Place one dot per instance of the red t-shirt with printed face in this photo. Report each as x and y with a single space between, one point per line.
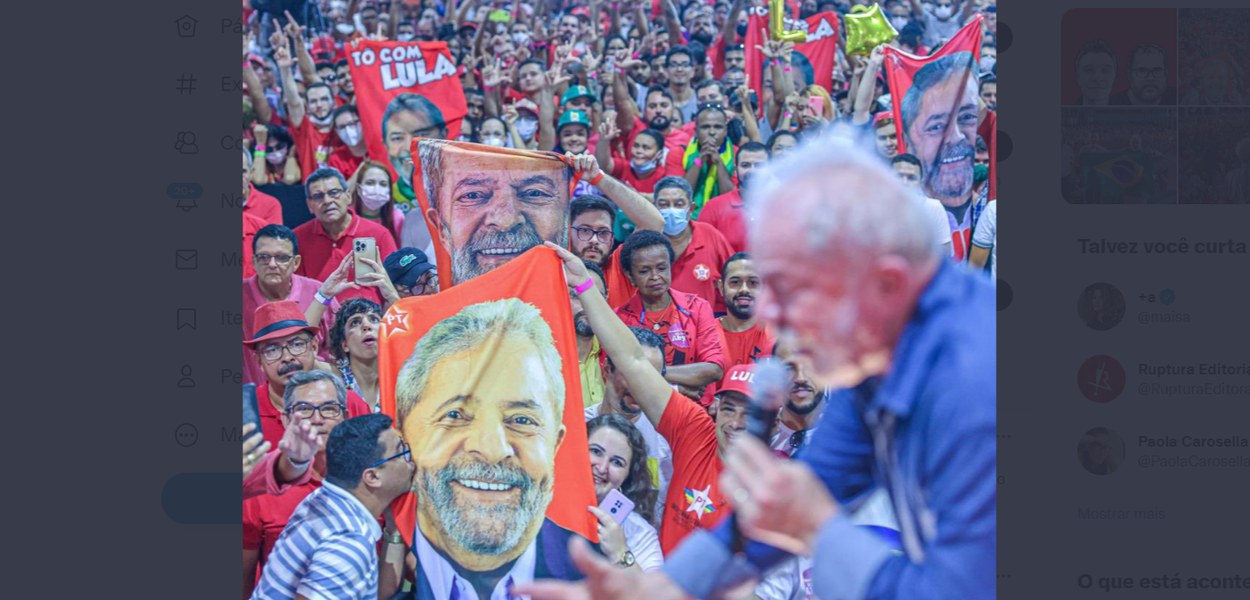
694 499
314 147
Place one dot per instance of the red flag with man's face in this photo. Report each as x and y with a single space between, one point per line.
404 90
483 383
820 49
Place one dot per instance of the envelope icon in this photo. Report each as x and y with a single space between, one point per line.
186 260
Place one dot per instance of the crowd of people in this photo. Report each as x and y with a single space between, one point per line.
1214 56
1215 156
1132 132
651 101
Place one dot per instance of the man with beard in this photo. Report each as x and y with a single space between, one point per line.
285 344
1147 79
310 116
939 113
328 239
796 422
488 211
587 346
708 160
617 399
657 108
408 116
481 403
727 212
746 340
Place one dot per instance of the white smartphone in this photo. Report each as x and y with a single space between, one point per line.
368 248
617 506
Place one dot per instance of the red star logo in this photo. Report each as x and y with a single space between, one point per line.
396 320
701 272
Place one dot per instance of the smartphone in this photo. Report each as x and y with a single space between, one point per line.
365 248
251 412
816 106
617 506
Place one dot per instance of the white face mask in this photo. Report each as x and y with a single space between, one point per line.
675 220
527 128
375 196
350 134
405 37
276 157
944 12
987 63
494 141
899 22
521 38
344 28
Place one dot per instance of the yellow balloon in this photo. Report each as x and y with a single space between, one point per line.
776 24
867 28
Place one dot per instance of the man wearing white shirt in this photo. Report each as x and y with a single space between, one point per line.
908 168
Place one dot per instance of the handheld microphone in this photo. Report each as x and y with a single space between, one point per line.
770 388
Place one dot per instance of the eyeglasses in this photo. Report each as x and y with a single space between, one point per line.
420 289
264 259
296 347
585 233
333 194
404 451
1143 72
332 410
680 65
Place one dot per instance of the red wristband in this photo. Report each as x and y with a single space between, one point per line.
597 179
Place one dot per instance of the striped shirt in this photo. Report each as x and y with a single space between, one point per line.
327 551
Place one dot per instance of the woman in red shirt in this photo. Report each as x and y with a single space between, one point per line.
646 161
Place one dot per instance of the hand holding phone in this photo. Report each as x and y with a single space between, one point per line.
365 247
617 506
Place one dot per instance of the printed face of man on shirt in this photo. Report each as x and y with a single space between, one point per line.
484 434
490 208
942 134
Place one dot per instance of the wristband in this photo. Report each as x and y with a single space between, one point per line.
487 89
584 287
297 465
591 75
698 162
787 114
261 149
394 539
787 69
597 179
319 297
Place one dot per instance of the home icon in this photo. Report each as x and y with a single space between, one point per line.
186 26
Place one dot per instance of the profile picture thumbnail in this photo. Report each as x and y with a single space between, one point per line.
1101 451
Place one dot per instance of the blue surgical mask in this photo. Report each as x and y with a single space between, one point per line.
675 220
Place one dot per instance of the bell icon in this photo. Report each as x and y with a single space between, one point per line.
186 204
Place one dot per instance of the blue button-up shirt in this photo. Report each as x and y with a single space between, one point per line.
925 432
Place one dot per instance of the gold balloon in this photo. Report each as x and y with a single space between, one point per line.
776 24
867 28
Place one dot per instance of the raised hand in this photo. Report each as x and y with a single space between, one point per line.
608 128
586 164
338 280
254 448
301 441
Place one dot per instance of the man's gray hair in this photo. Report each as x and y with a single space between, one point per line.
928 76
306 377
873 214
413 103
322 174
673 181
469 329
430 152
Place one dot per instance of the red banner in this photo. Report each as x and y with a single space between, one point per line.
937 118
417 83
489 204
820 49
483 382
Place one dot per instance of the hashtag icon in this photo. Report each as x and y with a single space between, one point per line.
186 84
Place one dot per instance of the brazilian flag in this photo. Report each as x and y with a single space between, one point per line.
1111 176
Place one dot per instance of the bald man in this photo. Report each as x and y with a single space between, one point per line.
854 287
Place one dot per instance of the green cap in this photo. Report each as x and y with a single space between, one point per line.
576 91
573 117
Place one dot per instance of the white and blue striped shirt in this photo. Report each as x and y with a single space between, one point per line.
327 551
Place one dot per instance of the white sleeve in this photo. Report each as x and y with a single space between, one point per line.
987 227
780 583
938 221
643 542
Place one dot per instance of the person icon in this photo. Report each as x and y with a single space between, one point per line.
1101 451
186 143
186 381
1100 306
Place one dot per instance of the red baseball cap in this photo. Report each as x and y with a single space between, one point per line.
738 379
278 319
